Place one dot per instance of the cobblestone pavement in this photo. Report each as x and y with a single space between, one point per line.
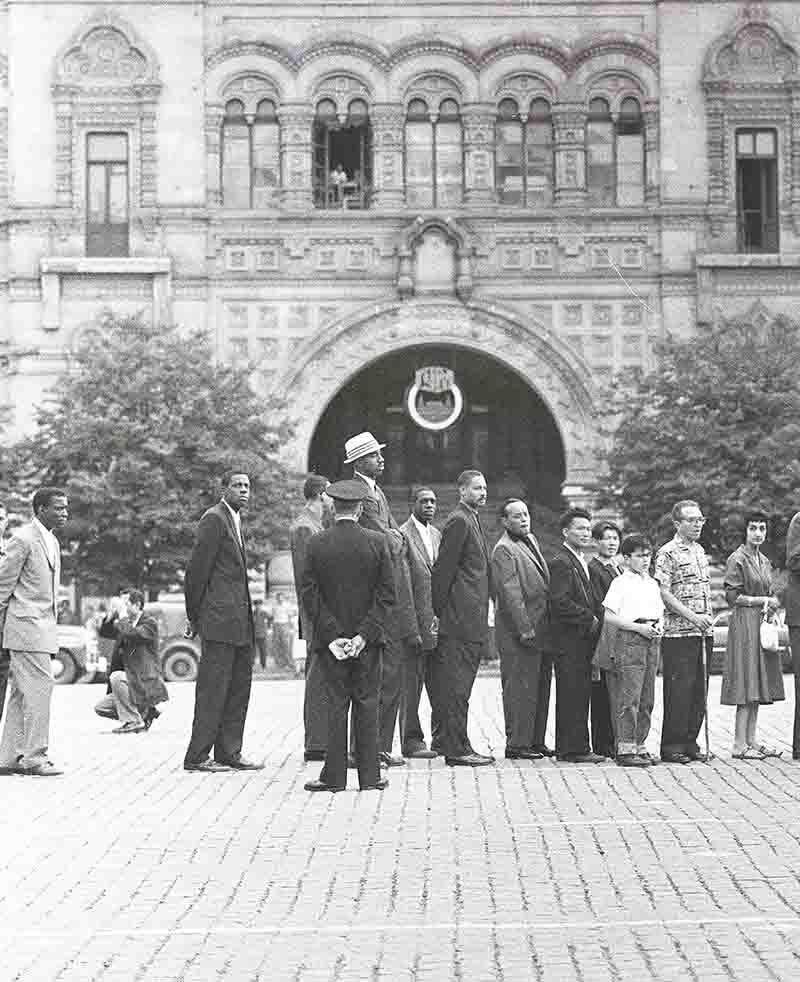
128 868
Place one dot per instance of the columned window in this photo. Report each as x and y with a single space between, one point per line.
250 155
615 164
757 190
524 154
630 153
434 154
600 163
107 194
342 156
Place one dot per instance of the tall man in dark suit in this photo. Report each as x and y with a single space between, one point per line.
308 523
219 610
792 604
460 587
573 631
521 583
423 547
347 589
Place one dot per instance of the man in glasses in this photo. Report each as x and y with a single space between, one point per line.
683 575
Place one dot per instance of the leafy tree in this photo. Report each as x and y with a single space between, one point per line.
718 421
139 430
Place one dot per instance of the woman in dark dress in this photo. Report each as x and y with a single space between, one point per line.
603 568
752 677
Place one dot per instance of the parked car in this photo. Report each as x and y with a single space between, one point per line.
721 622
179 655
77 655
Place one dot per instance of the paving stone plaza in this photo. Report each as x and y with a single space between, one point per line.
128 868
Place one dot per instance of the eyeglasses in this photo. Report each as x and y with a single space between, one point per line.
694 521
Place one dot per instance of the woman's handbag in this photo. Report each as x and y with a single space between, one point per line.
768 631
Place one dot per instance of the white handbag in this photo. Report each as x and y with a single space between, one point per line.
768 630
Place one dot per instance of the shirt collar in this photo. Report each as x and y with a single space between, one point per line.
424 529
346 518
236 516
577 555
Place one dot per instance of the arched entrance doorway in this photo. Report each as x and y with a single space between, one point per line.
441 409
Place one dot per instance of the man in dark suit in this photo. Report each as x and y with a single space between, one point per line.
460 589
219 610
521 582
792 604
573 631
348 589
308 523
423 547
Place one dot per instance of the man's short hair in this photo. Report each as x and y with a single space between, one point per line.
635 543
599 529
314 485
466 478
44 496
571 514
135 596
417 490
509 501
680 506
227 475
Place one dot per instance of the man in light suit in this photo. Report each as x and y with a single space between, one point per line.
30 573
219 610
792 604
460 590
574 628
521 583
423 548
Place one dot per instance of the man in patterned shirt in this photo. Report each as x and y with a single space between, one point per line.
682 573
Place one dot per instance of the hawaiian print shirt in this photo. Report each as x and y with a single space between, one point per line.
682 568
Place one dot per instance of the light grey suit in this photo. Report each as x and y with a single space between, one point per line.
29 581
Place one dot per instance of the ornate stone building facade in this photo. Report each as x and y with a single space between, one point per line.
492 206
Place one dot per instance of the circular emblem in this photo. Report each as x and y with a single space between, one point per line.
434 400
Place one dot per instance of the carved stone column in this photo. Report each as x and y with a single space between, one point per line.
148 188
652 187
717 196
478 121
387 120
569 129
213 134
64 164
795 141
297 155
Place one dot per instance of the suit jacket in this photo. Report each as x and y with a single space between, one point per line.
792 595
420 566
521 590
348 584
29 593
573 623
216 588
461 578
136 651
303 527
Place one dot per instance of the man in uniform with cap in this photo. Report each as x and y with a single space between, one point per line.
364 453
348 590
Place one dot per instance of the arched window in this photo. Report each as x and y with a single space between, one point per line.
250 155
434 154
630 153
524 154
342 156
600 165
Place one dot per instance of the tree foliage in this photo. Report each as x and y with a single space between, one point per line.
718 421
139 430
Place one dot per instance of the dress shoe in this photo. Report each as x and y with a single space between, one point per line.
699 758
378 786
631 760
111 714
208 766
46 769
322 786
540 748
314 755
149 717
677 758
130 727
521 753
648 759
388 761
421 753
587 758
243 764
469 760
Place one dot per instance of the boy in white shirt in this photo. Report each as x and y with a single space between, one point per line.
633 615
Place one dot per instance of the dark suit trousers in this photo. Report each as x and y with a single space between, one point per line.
315 702
455 666
391 690
520 666
543 699
221 697
5 664
417 674
573 693
602 727
356 681
794 642
684 693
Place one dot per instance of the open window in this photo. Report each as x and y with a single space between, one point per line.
757 190
342 156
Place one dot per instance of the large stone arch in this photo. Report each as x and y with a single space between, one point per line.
550 367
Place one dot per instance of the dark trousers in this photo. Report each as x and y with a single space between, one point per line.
573 694
353 681
261 648
794 641
5 664
520 666
543 699
455 665
221 697
391 690
315 703
417 675
602 729
684 693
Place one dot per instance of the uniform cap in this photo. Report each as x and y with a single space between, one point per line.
347 491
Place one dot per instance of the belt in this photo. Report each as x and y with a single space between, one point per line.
646 620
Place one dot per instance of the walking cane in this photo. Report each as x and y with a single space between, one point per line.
706 673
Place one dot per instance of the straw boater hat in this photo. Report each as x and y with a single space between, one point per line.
361 446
